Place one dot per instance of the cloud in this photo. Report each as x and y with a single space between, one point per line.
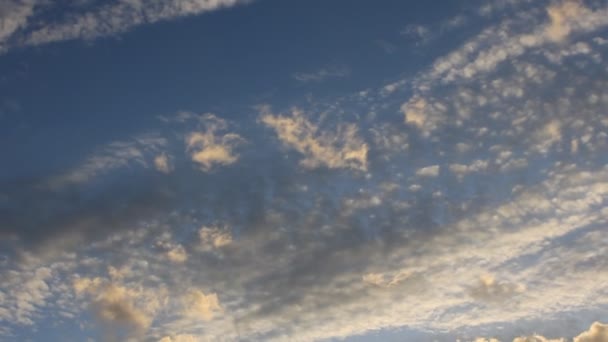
25 294
424 115
561 16
341 148
330 254
211 147
537 338
597 333
162 163
214 237
113 156
548 135
201 306
462 170
419 33
177 254
322 74
14 15
180 338
490 290
113 304
104 19
428 171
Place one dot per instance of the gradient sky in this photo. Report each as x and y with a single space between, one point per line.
304 170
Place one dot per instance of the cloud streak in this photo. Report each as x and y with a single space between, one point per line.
105 19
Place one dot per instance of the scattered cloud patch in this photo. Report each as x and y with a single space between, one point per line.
322 74
162 163
597 333
213 146
428 171
201 306
338 148
104 19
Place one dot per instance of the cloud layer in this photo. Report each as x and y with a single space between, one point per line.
465 200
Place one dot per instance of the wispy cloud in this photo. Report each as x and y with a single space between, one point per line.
105 19
341 148
322 74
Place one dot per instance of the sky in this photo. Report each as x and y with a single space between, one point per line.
304 170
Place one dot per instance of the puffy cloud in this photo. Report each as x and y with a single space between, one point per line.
537 338
24 293
428 171
385 280
214 237
562 15
424 114
548 135
597 333
162 163
180 338
341 148
213 147
199 305
113 304
177 254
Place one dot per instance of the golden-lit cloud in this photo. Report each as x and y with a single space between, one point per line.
162 163
112 303
214 237
213 146
180 338
597 333
561 17
199 305
489 289
537 338
177 254
339 148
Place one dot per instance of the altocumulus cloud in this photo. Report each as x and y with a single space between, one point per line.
20 19
460 203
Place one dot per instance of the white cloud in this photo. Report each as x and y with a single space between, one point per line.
177 254
162 163
113 18
340 148
214 237
461 170
180 338
213 146
537 338
597 333
14 15
489 289
561 16
201 306
429 171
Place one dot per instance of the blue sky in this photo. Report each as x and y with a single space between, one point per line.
265 170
